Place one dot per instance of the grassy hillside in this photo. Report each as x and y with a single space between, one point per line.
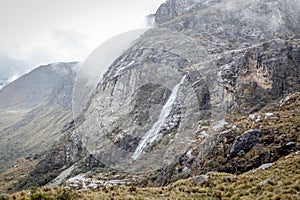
280 181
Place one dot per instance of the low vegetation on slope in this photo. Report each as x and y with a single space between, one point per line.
281 180
243 144
18 169
221 174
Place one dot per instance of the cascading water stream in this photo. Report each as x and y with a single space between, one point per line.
153 133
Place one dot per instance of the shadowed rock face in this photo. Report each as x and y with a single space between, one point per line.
237 57
245 142
254 76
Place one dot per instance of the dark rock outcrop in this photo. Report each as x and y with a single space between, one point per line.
245 142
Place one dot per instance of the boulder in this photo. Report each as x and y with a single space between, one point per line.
245 142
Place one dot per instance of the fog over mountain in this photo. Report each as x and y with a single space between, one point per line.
41 37
203 105
164 104
11 69
53 31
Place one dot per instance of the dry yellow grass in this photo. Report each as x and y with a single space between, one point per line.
20 168
280 181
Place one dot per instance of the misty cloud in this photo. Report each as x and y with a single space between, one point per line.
66 30
70 40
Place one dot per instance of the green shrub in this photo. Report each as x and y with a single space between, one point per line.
64 194
39 196
4 197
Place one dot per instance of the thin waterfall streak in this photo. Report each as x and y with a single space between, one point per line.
153 133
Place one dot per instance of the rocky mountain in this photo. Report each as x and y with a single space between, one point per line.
32 88
34 109
243 144
191 96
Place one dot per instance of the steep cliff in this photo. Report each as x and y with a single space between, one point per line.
205 60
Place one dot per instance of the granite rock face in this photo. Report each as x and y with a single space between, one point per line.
174 8
257 75
233 57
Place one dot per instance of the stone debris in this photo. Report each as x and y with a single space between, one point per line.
199 179
269 114
203 134
265 181
189 154
81 182
264 166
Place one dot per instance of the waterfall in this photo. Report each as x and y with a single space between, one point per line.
153 133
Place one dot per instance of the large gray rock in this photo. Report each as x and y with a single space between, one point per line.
245 142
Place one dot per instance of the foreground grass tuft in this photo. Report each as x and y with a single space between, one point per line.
280 181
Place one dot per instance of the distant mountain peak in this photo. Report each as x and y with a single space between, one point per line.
33 87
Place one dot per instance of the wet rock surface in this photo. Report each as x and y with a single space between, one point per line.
238 57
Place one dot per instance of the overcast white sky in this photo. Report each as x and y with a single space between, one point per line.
44 31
